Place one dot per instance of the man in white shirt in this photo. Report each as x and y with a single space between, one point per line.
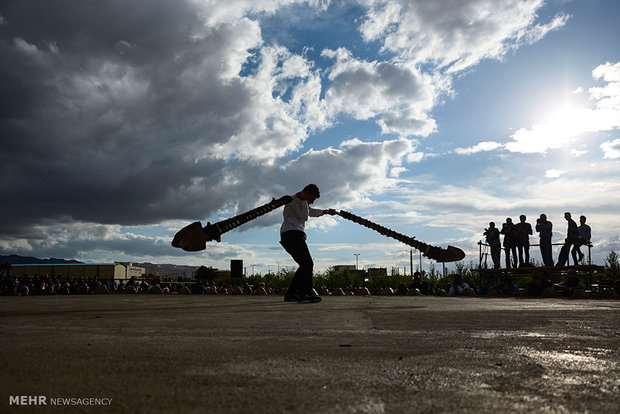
293 239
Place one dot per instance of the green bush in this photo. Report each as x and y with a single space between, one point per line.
612 268
333 280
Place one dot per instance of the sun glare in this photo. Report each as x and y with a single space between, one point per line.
566 117
556 130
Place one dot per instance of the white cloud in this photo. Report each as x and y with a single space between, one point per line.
274 125
611 149
217 12
455 35
480 147
350 172
608 96
418 156
553 173
397 171
577 153
396 95
539 31
577 91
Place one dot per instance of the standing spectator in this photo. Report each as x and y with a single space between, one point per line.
522 234
572 236
583 239
492 237
545 228
509 244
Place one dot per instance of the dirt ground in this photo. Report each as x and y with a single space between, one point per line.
246 354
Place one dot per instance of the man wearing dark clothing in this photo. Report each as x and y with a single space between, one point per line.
293 239
545 228
539 283
585 233
570 285
522 233
509 244
422 285
572 236
492 236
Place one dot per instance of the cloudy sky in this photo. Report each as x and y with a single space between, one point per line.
120 122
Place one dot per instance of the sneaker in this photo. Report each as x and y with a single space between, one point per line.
310 299
292 298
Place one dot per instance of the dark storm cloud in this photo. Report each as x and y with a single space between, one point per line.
107 111
116 113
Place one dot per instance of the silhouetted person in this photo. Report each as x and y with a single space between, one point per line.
422 285
545 228
492 237
506 286
572 236
570 285
457 286
293 239
539 283
488 287
583 239
509 243
522 234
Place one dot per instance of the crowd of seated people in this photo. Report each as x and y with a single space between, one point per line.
50 285
539 285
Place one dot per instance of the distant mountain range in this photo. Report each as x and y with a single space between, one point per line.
15 259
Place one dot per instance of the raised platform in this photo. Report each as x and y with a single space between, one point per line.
551 270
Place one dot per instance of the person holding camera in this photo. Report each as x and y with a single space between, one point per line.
492 237
545 230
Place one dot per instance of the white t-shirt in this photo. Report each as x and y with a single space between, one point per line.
296 214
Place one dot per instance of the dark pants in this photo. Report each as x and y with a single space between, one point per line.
545 251
507 250
496 249
294 242
565 250
524 254
577 249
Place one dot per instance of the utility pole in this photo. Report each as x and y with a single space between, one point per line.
411 261
420 261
